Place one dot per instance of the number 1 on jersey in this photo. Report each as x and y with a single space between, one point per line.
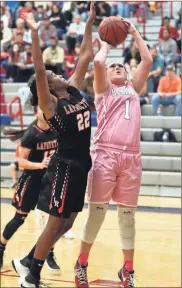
127 110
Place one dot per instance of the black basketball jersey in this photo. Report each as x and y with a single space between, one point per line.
72 124
41 142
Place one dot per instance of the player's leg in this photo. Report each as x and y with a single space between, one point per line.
22 205
126 220
12 226
101 183
41 220
54 229
63 206
126 195
94 221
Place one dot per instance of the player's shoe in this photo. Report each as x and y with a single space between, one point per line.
31 282
19 268
69 235
51 261
126 277
1 257
81 280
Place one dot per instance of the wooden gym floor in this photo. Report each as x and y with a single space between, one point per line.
158 247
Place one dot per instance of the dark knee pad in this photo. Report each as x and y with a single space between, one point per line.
13 225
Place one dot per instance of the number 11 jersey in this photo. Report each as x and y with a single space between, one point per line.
118 117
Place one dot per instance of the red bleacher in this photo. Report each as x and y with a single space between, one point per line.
3 107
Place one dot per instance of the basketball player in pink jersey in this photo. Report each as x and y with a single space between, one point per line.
116 161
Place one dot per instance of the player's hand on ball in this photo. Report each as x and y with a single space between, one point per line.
45 163
30 21
107 46
131 27
92 13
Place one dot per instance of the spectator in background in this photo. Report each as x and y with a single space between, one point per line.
53 57
131 67
67 10
12 68
5 37
166 25
178 41
5 15
49 8
75 33
28 8
47 31
57 19
152 7
19 30
169 91
13 6
19 41
87 90
77 51
178 21
102 10
82 7
40 13
168 47
156 70
70 66
25 64
132 52
125 9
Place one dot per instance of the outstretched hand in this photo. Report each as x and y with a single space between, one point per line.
30 21
92 13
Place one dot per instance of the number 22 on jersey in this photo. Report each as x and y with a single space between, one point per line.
83 120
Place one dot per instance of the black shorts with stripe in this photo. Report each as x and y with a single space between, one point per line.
27 191
63 186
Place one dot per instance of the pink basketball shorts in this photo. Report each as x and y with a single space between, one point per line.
115 174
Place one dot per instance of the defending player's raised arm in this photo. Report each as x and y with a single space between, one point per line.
140 75
26 164
78 76
101 82
44 97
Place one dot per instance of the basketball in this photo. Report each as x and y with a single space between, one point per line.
113 30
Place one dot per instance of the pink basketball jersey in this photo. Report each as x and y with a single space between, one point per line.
118 117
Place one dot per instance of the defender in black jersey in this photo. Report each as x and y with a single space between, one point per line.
68 114
36 146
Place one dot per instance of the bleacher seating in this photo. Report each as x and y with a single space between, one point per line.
161 161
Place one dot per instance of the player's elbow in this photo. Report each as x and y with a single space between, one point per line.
98 63
149 60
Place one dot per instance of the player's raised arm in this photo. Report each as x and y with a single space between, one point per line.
101 82
78 76
141 74
44 97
